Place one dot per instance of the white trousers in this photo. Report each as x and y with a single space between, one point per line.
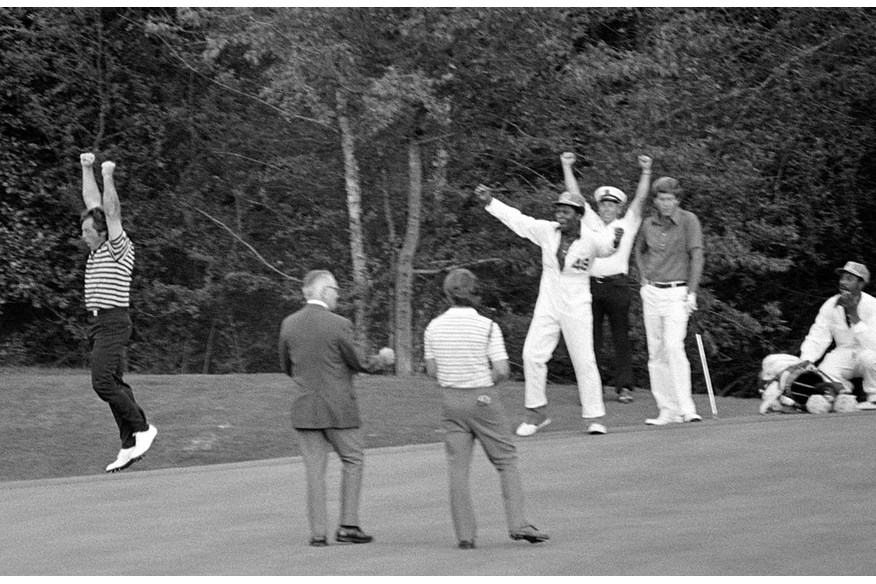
844 363
665 316
542 339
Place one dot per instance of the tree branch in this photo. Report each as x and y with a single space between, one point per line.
251 248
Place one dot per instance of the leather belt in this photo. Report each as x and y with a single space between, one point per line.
94 312
611 278
677 284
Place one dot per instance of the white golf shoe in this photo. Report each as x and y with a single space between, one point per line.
143 441
664 419
867 405
596 428
123 461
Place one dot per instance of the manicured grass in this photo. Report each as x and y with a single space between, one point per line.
52 424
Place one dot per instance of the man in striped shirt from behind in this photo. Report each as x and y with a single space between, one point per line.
107 298
466 353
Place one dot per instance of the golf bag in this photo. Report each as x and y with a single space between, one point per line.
789 383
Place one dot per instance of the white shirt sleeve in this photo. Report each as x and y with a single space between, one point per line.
535 230
819 337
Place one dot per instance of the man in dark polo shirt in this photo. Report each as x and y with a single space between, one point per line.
107 297
669 256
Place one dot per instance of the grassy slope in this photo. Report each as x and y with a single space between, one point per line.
53 425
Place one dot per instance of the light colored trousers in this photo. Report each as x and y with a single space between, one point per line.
845 363
665 315
542 339
315 446
465 420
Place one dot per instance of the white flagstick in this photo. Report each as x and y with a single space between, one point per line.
707 376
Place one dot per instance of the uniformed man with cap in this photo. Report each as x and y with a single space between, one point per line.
847 319
609 276
563 305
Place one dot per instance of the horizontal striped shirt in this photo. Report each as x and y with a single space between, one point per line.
463 343
108 274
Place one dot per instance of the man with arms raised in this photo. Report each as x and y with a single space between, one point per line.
107 298
609 276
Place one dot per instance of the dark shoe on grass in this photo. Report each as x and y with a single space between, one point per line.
530 533
351 534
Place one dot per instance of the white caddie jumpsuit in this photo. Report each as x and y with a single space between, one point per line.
563 305
855 352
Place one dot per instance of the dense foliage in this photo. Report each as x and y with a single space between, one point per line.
229 126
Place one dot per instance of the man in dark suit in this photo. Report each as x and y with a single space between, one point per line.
317 351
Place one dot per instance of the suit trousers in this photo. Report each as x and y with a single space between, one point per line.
315 446
611 298
465 419
665 314
109 333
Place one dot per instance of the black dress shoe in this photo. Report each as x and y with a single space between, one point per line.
467 544
318 541
351 534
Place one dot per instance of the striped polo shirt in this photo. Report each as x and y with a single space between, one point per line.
463 343
108 274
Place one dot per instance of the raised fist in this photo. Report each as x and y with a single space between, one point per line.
645 162
567 158
87 159
107 167
482 192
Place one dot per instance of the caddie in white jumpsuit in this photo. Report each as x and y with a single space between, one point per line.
568 248
849 320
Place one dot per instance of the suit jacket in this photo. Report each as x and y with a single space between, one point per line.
317 351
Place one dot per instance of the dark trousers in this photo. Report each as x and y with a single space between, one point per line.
611 298
110 332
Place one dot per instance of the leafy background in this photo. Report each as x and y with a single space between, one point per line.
224 125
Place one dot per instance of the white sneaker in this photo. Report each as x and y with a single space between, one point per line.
662 420
123 461
596 428
526 429
144 441
867 405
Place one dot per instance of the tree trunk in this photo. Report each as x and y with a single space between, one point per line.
354 210
404 279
